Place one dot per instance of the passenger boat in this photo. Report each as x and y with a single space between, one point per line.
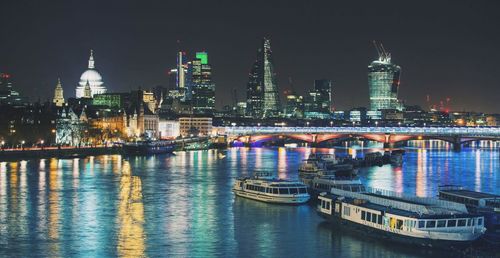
266 188
485 204
413 220
324 183
309 167
148 147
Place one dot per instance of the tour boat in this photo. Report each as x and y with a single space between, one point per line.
148 147
324 183
485 204
268 189
413 220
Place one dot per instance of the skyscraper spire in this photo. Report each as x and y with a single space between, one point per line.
91 60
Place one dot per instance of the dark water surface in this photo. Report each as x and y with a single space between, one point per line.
182 205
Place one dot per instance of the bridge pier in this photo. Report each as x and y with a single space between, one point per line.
457 143
388 145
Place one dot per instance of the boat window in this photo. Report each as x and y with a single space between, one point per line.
293 190
374 218
363 215
461 223
368 216
480 221
323 204
328 205
241 184
302 190
275 191
355 189
347 211
379 219
399 224
283 190
267 190
441 223
469 222
421 223
430 224
452 223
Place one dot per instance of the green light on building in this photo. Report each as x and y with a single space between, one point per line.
203 56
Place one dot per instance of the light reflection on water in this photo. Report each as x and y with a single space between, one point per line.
182 205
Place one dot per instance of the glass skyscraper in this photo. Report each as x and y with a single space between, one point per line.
262 89
383 81
203 88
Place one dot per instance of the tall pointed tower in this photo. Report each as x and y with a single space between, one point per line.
262 88
58 94
87 92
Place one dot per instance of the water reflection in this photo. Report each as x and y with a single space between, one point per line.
182 205
130 217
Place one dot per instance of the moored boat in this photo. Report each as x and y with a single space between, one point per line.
412 220
148 147
485 204
266 188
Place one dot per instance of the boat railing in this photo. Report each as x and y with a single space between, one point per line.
418 207
428 201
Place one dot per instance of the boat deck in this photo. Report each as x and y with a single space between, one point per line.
470 194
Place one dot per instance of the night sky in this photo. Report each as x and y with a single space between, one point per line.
445 48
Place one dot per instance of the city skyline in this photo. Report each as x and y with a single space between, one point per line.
341 54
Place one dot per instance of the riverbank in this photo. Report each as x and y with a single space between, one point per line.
55 152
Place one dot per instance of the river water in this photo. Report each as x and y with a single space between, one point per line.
182 206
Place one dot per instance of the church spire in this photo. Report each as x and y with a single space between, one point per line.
91 60
58 99
87 93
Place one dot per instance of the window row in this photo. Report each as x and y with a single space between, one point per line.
450 223
275 190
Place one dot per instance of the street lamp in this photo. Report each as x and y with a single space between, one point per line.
3 144
399 123
307 123
331 123
22 143
376 123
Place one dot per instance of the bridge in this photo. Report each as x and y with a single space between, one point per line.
387 135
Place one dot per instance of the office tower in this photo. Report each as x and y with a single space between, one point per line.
383 82
203 88
262 90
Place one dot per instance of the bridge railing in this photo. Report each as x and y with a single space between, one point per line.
425 131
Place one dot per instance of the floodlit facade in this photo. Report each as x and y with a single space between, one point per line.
195 126
383 81
262 89
58 99
91 77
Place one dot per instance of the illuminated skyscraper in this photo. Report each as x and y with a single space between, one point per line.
319 100
203 88
383 81
262 90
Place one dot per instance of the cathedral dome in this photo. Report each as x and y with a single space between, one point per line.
92 76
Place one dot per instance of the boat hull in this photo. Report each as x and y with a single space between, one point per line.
367 231
147 150
299 199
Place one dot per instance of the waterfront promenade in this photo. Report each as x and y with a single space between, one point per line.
56 151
